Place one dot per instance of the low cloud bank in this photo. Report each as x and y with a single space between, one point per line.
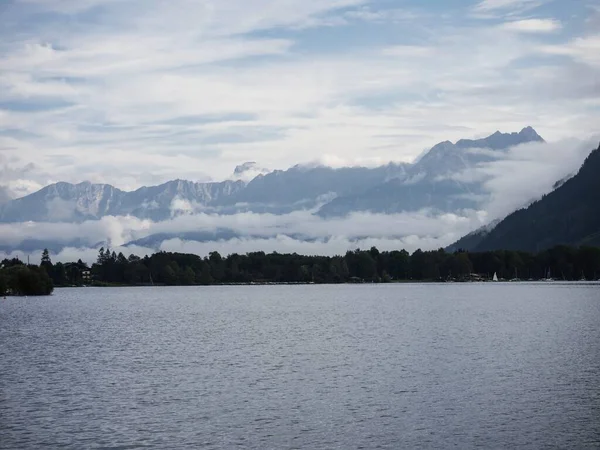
526 172
281 243
254 232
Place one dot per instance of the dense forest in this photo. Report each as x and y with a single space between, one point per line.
358 266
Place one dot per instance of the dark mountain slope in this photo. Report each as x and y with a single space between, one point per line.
568 215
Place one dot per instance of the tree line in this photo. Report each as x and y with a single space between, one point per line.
18 278
162 268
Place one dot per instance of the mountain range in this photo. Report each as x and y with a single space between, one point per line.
431 182
436 182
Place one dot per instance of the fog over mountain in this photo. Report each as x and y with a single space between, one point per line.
452 189
392 188
248 171
569 215
431 182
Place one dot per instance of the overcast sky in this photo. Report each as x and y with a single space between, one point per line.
133 92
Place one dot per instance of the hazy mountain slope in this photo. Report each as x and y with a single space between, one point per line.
53 245
568 215
431 182
277 192
397 195
65 202
473 239
308 185
159 202
220 234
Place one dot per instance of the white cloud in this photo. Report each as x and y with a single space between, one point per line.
369 14
118 231
191 89
527 172
248 171
284 244
409 232
15 178
583 49
532 26
408 51
66 6
520 5
281 244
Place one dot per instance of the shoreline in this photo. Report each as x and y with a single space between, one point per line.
283 283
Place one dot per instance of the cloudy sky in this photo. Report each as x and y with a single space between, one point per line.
134 92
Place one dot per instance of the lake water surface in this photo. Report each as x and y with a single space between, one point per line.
361 366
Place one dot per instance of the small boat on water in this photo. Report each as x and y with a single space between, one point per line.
495 277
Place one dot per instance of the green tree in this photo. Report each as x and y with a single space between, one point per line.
46 258
205 274
417 265
463 264
217 266
73 273
3 282
188 277
59 275
169 274
101 258
46 263
28 280
398 264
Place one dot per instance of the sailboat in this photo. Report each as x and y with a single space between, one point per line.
495 278
548 277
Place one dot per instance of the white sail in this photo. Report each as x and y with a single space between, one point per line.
495 277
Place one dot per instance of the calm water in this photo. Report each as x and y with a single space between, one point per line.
388 366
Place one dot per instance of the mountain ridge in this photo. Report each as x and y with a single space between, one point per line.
389 188
429 181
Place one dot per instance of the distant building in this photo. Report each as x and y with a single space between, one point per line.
356 280
476 277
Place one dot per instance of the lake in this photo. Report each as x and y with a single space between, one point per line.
321 367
